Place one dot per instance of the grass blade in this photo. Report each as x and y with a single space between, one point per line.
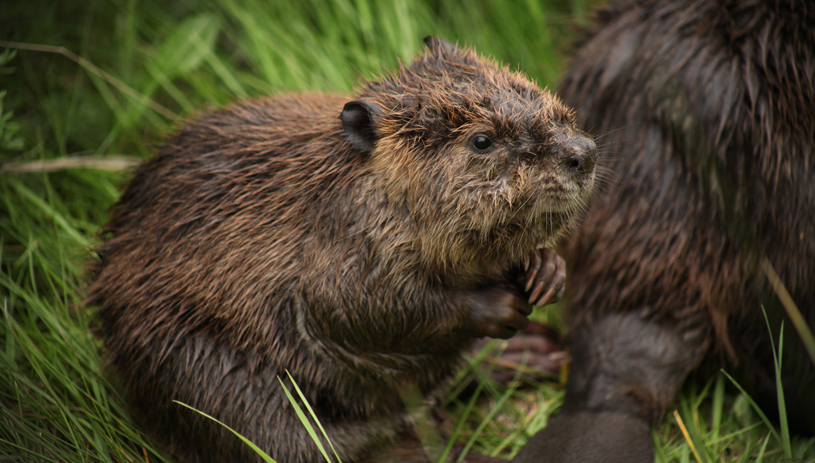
92 68
782 406
793 312
755 406
760 457
254 447
311 412
693 441
305 421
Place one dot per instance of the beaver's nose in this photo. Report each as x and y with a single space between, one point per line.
577 152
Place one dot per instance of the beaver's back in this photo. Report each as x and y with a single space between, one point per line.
233 193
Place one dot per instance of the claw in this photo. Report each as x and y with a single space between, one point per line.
555 291
530 278
537 291
546 299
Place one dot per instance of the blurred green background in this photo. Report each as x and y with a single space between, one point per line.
90 87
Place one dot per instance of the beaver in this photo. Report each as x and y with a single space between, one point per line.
358 243
707 111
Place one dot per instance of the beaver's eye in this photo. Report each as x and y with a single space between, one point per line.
481 142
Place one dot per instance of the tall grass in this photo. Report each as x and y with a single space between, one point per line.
127 73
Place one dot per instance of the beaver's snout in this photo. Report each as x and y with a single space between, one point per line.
576 152
580 154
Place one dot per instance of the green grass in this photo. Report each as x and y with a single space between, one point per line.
128 72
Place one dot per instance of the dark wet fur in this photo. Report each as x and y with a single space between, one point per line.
705 111
274 236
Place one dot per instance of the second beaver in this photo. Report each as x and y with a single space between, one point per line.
708 114
360 243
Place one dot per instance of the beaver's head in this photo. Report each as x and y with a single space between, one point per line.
488 164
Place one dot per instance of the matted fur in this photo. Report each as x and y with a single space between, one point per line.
259 240
706 112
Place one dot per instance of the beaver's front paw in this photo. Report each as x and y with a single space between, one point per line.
545 277
498 312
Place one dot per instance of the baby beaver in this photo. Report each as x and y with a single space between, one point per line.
360 244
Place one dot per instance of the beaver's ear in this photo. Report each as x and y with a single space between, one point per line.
359 119
436 44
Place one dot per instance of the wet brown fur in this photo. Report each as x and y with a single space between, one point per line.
260 239
706 113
